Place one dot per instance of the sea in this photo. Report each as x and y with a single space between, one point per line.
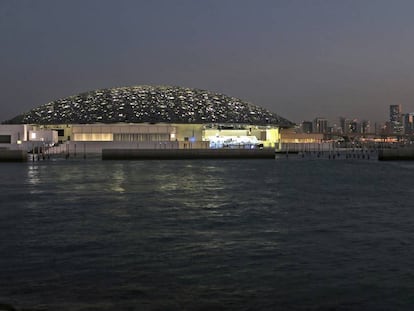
290 233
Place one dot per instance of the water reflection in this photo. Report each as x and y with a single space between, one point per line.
117 179
187 178
33 174
185 188
33 179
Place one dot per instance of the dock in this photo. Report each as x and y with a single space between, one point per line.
184 154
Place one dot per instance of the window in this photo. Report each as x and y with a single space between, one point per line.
61 132
5 139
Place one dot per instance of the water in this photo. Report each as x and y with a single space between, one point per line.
289 234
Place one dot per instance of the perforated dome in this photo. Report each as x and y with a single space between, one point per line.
153 104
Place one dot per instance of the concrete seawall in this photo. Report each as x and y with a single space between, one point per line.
13 156
181 154
396 154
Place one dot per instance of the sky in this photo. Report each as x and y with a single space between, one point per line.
301 59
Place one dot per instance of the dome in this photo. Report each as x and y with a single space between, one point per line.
153 104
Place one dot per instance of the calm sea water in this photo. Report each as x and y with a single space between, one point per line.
288 234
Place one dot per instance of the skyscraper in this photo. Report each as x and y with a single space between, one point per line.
408 122
320 125
396 118
365 127
307 127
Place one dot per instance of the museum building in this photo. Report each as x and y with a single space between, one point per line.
144 117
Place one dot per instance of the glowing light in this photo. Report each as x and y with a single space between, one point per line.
93 137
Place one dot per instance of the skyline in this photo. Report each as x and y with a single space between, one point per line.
299 59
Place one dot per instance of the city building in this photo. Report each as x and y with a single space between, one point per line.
408 123
365 127
320 125
307 127
396 119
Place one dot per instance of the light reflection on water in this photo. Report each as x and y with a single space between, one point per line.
33 176
118 179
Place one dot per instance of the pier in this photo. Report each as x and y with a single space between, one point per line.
184 154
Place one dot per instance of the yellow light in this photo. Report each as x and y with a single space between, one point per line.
93 137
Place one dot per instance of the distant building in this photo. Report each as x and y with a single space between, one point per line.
365 127
343 125
354 127
395 113
408 123
396 119
320 125
351 126
336 129
307 127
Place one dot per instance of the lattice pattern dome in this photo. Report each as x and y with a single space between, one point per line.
153 104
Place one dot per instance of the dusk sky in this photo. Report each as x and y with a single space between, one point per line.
300 59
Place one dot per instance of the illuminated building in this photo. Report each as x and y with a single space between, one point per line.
408 122
155 117
25 136
396 118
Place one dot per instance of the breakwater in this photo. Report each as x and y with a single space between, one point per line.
13 155
178 154
400 154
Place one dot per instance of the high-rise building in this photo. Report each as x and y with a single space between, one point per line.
342 122
408 123
307 127
354 127
320 125
365 127
348 126
395 113
396 118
